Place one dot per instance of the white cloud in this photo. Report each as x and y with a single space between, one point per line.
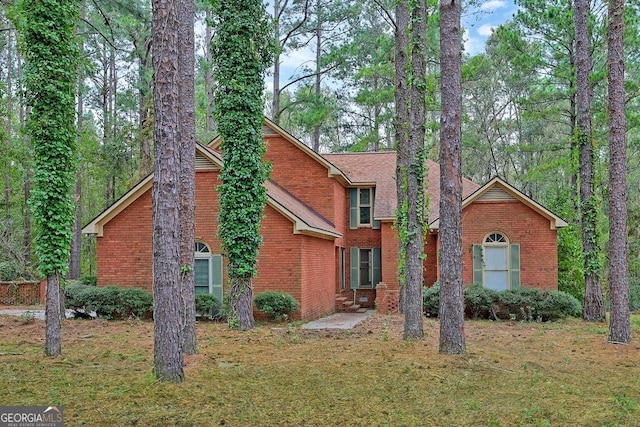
493 5
486 30
472 45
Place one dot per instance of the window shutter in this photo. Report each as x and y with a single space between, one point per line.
514 271
353 208
216 280
374 224
376 266
477 264
354 262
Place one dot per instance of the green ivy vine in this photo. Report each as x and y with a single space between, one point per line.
242 51
47 41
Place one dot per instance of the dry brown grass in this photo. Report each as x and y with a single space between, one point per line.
514 374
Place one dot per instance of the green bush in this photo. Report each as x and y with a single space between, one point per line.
277 305
554 305
479 302
519 304
9 270
89 280
431 300
76 295
516 304
205 304
110 302
634 293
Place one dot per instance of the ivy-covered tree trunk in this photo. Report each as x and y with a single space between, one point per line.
402 128
619 325
50 52
241 52
167 306
186 63
451 312
593 307
410 166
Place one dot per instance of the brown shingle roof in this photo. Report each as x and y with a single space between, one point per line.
306 220
380 169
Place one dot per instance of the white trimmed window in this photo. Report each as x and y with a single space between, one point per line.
361 208
496 262
208 272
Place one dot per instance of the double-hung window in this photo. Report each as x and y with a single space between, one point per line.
361 208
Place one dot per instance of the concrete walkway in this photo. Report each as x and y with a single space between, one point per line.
37 313
338 321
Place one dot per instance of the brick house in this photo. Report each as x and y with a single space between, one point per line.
327 229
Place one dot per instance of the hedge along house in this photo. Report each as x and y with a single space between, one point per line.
327 231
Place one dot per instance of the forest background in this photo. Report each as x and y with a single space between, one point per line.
519 105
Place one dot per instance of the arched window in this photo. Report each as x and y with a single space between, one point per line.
208 272
496 238
202 248
496 262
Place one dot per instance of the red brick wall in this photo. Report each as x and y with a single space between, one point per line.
520 224
389 239
279 266
318 268
124 252
341 211
208 209
430 273
390 257
302 175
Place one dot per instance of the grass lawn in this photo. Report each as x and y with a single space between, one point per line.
514 374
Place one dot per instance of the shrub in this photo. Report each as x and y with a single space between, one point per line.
89 280
205 304
110 302
479 302
634 293
431 300
277 305
555 305
76 295
519 303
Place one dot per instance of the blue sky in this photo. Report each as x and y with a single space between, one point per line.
479 22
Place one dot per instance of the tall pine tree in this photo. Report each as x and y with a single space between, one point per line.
451 312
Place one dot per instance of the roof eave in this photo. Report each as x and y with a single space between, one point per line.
299 225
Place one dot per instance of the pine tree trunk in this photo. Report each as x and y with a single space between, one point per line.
186 64
402 128
167 313
241 307
414 164
451 312
619 326
593 310
53 325
76 238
